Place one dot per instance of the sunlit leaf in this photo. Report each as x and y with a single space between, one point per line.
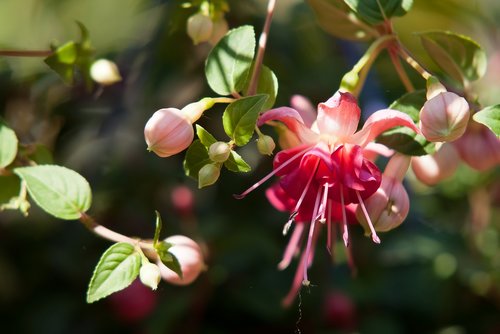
267 84
403 139
489 116
8 145
235 163
229 62
240 117
205 137
196 158
376 11
336 18
58 190
117 269
460 57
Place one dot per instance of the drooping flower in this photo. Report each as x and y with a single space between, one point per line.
431 169
479 147
326 173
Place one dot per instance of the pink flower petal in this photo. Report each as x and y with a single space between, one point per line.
305 109
292 119
379 122
339 116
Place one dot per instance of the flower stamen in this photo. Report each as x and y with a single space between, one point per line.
345 234
375 237
268 176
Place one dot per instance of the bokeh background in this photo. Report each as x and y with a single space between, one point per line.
437 273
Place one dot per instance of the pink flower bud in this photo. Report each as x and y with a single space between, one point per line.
444 117
387 207
199 28
168 132
431 169
190 257
479 147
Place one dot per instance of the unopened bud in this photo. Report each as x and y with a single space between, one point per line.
265 145
219 151
220 28
168 132
444 117
190 258
199 28
431 169
150 275
105 72
208 175
479 147
387 207
434 87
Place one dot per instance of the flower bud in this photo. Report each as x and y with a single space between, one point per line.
199 28
434 87
444 117
150 275
387 207
168 132
479 147
104 72
219 151
190 258
265 145
431 169
208 175
220 28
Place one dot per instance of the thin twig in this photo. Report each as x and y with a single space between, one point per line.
413 63
111 235
252 88
27 53
400 70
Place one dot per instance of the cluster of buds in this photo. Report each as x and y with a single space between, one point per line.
444 118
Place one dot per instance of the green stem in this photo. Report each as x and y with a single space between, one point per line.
223 100
413 63
252 87
27 53
362 67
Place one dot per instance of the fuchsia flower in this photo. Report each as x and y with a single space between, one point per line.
327 173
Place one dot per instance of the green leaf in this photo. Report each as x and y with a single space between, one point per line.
117 269
240 117
196 158
336 18
157 228
460 57
267 84
59 191
167 258
229 62
403 139
205 137
376 11
489 116
8 145
62 61
235 163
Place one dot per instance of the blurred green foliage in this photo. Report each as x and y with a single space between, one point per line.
438 273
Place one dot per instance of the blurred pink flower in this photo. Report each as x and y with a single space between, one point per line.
326 173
